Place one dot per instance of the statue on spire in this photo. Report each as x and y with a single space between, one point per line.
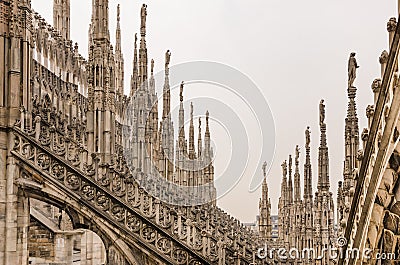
284 168
264 168
308 138
296 159
143 15
191 111
118 13
181 91
135 41
352 69
152 66
167 58
321 112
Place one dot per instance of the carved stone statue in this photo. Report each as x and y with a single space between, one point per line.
352 68
284 168
296 159
135 40
118 13
35 101
392 24
370 111
143 14
321 112
376 85
308 140
181 91
264 168
384 57
167 58
152 66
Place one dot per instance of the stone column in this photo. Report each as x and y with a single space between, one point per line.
91 140
59 247
69 245
14 213
22 229
107 136
15 67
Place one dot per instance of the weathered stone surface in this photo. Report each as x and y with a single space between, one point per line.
389 180
389 241
391 222
394 162
384 198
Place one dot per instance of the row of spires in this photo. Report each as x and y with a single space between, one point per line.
290 187
99 31
153 141
315 226
293 193
106 97
304 222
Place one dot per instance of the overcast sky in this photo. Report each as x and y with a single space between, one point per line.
295 51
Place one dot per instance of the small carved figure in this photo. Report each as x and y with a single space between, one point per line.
284 168
152 66
167 58
308 140
297 154
143 14
352 68
370 111
118 13
264 168
376 85
181 91
135 40
76 49
392 24
384 57
365 134
360 154
321 112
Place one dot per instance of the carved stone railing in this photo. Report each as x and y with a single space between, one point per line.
182 235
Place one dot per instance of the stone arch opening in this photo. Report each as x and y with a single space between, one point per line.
82 219
54 238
